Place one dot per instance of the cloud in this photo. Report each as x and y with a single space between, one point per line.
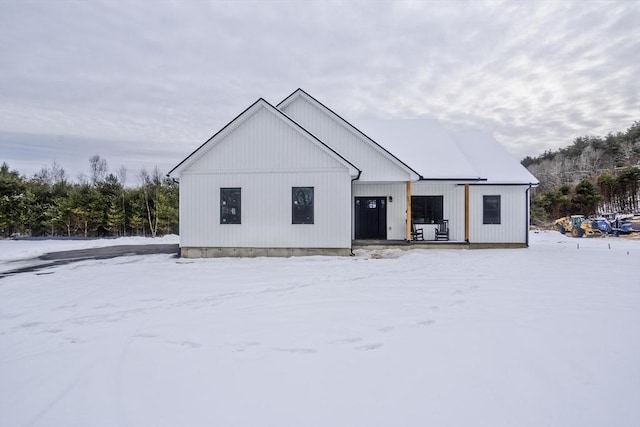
170 74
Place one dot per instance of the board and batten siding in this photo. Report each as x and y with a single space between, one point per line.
514 205
265 156
513 211
266 211
263 143
375 165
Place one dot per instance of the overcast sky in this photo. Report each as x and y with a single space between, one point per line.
144 83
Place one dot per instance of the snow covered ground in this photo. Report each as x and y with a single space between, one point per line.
544 336
20 250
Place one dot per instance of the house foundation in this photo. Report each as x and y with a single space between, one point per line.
198 252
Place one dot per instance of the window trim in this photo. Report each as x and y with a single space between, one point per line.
491 215
295 213
238 216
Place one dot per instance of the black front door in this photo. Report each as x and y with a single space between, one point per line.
371 218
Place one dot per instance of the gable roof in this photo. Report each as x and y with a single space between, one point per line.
440 155
432 151
241 118
300 93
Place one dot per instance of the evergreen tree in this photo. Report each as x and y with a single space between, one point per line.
586 198
48 204
12 195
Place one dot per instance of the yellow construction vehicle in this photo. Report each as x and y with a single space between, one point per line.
577 226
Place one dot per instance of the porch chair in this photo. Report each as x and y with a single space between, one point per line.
416 233
442 230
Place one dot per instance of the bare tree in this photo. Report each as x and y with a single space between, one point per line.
151 192
589 160
122 176
98 169
52 175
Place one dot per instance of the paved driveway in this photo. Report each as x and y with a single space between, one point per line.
65 257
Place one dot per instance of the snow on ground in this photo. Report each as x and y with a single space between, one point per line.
544 336
19 250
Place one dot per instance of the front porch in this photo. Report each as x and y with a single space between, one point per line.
429 244
413 244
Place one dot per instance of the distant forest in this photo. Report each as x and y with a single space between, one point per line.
593 175
100 204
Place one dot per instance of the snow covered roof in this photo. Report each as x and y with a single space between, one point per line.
437 154
492 160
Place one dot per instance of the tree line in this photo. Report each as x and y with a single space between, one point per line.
592 175
96 205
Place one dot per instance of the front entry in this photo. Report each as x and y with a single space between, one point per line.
371 218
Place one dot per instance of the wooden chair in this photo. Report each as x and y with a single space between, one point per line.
442 230
416 233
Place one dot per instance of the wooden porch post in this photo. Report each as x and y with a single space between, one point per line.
466 213
408 225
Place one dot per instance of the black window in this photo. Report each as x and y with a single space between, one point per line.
302 205
230 206
491 209
426 209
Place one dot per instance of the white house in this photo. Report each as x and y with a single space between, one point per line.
298 179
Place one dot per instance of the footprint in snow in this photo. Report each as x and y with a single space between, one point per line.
10 316
30 324
297 350
369 347
188 344
426 322
107 305
144 335
66 306
73 340
347 340
244 346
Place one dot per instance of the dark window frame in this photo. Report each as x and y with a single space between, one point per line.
302 205
491 209
427 209
231 205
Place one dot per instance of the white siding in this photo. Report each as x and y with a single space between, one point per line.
265 156
513 204
263 142
375 165
265 211
513 225
452 206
